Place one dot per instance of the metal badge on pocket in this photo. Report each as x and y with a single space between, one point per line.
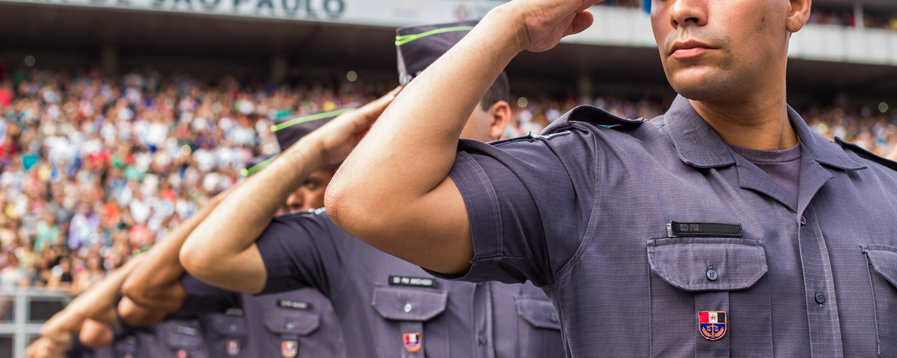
713 324
412 342
289 349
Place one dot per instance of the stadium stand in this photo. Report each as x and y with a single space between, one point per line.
96 168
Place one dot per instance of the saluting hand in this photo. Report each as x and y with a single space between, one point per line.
543 23
44 347
343 133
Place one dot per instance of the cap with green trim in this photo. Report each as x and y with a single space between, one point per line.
257 163
419 46
289 130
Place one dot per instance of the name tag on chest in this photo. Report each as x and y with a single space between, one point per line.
412 281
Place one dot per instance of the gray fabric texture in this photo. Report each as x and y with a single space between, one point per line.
582 210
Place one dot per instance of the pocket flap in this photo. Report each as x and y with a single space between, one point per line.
292 322
182 334
884 261
539 313
685 262
408 304
227 326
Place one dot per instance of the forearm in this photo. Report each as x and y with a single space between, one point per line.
156 283
104 295
412 147
213 251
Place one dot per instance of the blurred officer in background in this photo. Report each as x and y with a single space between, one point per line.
299 323
387 307
85 327
725 227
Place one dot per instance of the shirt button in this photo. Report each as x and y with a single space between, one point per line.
482 339
232 327
820 298
553 318
803 221
712 275
407 307
289 326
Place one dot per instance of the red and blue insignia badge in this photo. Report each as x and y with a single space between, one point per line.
712 324
412 342
289 349
181 353
233 347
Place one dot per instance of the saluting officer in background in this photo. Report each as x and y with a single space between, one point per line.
387 307
298 323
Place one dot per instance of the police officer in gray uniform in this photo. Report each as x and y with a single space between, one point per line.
725 227
387 307
299 323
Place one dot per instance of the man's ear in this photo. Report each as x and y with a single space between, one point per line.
798 14
499 117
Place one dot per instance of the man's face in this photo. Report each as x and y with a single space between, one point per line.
719 50
310 194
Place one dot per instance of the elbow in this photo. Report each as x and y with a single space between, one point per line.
369 223
196 261
138 292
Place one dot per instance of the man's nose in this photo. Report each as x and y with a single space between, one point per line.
295 202
688 12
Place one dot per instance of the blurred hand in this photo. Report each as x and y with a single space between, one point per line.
544 23
343 133
893 154
45 347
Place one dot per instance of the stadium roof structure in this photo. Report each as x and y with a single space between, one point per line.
360 34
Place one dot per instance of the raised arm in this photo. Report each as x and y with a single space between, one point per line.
394 191
98 303
222 251
156 284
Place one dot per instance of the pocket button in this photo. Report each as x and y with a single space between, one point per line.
712 275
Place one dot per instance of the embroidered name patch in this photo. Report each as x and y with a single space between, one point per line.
296 305
712 324
412 281
190 331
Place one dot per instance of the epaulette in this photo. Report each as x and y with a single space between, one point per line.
528 137
867 154
592 115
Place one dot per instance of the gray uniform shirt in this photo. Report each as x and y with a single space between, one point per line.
618 221
390 308
298 323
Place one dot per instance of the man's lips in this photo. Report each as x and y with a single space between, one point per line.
688 49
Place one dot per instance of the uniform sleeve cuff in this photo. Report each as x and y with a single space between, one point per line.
483 213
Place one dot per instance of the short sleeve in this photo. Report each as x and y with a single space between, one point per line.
300 251
204 298
528 201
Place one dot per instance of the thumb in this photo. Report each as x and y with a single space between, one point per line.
581 21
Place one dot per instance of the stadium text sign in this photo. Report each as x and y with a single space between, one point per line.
389 13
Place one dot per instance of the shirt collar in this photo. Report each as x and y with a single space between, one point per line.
698 144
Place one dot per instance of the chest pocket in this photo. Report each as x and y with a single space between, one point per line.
707 295
179 338
883 266
406 311
291 332
539 334
227 335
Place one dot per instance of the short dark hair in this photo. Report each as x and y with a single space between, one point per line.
500 91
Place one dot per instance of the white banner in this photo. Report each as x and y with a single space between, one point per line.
388 13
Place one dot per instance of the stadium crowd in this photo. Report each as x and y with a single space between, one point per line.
94 169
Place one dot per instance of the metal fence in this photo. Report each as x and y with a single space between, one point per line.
22 311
